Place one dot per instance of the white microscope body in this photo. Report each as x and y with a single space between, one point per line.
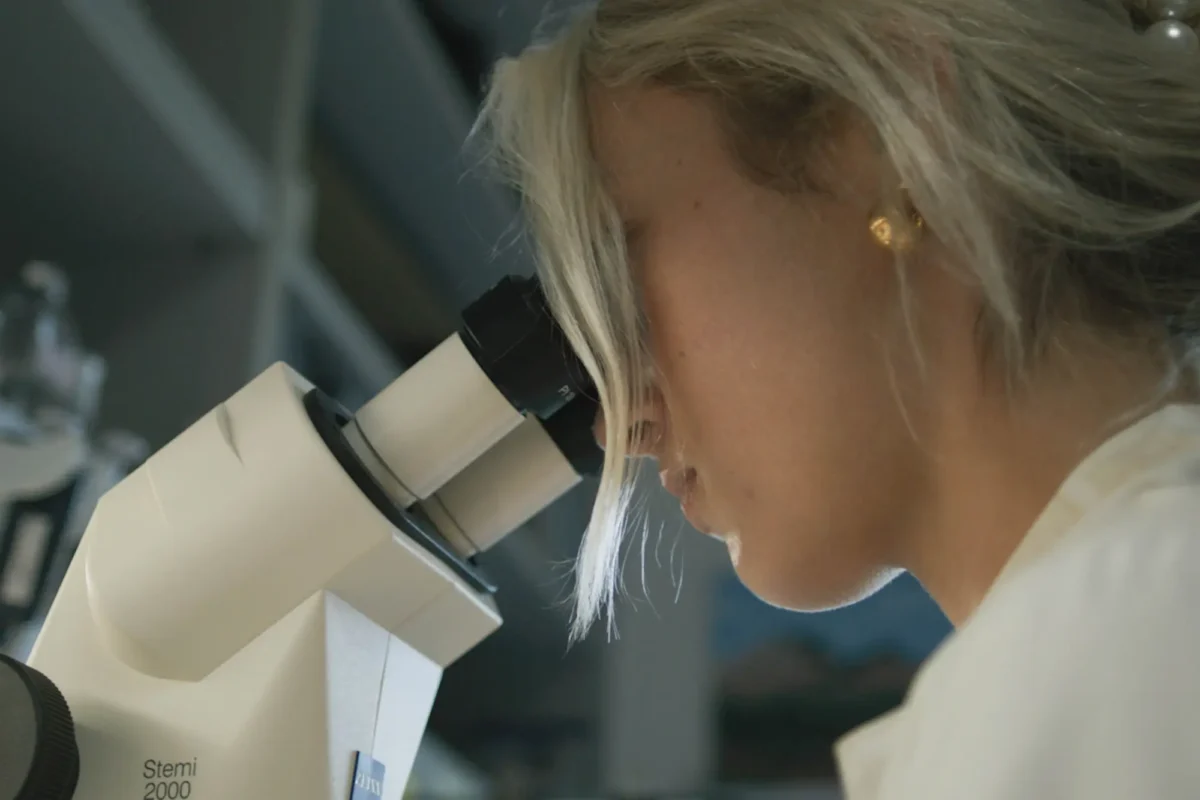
253 614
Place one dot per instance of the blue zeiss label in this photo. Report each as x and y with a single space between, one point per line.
368 778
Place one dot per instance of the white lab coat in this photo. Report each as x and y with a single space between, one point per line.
1078 677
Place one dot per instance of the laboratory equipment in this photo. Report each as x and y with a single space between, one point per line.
49 390
264 608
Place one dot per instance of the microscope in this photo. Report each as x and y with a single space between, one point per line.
264 609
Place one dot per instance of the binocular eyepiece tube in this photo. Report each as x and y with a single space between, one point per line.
491 426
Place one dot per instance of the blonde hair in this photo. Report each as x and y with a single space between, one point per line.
1048 143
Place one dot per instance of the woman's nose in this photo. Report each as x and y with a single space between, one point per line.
645 432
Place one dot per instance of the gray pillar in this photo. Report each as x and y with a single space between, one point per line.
658 698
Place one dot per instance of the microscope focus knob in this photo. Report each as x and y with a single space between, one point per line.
38 755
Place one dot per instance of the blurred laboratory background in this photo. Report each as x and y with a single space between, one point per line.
191 190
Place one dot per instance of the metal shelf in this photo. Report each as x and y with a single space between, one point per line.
389 102
108 141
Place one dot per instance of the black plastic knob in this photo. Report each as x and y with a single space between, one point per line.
39 759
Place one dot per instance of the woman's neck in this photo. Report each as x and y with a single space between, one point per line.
1001 458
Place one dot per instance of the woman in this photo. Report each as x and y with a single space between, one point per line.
909 285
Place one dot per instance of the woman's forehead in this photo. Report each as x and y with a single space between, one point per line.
648 141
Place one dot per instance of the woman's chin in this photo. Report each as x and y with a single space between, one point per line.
813 587
733 542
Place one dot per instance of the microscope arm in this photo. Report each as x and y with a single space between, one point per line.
242 619
232 525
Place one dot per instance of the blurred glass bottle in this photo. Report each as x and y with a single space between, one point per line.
49 394
48 381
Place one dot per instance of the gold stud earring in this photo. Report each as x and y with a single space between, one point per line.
898 232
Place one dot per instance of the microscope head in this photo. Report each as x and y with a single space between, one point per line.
265 606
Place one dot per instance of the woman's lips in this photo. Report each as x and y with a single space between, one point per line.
682 484
695 520
676 481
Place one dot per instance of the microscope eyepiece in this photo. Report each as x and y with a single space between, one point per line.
572 429
497 420
510 332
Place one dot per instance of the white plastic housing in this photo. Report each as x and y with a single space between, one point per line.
239 612
437 418
502 489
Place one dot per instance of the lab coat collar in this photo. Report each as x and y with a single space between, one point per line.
1123 464
1126 462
